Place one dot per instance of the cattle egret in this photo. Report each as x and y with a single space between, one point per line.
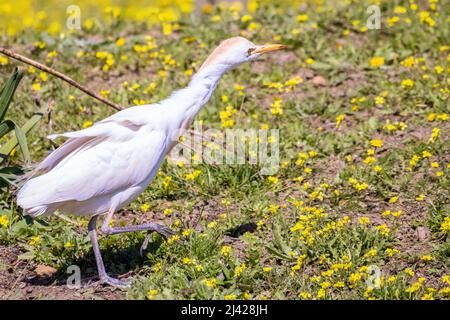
101 169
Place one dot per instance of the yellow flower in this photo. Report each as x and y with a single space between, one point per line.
383 229
167 29
293 81
239 269
225 251
321 293
355 277
409 272
273 180
399 10
369 160
145 207
3 61
438 69
377 169
120 42
379 100
393 199
151 294
426 258
392 279
434 135
376 143
52 54
36 86
212 225
186 232
408 62
427 296
104 93
4 221
370 253
390 252
245 18
339 119
230 297
396 214
173 239
87 124
361 186
276 107
426 154
420 197
407 83
193 175
364 220
376 62
35 240
267 269
445 225
68 245
215 18
414 287
305 295
302 18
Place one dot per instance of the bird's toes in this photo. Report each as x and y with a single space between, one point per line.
116 282
145 243
164 231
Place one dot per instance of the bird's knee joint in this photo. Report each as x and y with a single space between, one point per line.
106 229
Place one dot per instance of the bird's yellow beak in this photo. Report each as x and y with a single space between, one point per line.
269 48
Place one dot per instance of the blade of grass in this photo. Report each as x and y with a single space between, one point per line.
22 141
6 149
8 92
5 127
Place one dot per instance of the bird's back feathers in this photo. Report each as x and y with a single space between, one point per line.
96 168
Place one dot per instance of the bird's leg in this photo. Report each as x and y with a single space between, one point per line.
99 260
149 227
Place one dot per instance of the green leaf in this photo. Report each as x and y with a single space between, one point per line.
9 146
26 256
5 127
22 140
8 92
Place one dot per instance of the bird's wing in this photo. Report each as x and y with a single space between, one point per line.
104 159
120 126
106 167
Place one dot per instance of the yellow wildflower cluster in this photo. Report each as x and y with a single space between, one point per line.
359 186
227 117
276 107
394 126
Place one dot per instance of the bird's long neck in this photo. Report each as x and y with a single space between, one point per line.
191 99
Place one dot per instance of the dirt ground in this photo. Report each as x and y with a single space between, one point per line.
18 280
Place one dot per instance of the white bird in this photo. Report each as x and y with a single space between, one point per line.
103 168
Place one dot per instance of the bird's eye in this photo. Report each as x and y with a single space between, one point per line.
250 51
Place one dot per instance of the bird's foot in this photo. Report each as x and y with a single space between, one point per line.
158 228
116 282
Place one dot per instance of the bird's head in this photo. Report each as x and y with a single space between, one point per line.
235 51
